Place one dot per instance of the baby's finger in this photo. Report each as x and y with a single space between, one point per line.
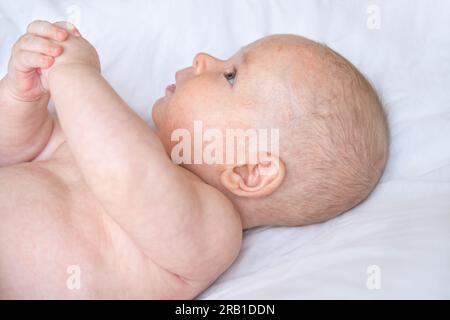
69 27
31 42
27 60
47 30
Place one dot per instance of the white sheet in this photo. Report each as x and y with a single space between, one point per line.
404 227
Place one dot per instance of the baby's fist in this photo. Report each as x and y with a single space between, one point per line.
77 51
34 51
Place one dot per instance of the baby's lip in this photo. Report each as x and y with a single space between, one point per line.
171 88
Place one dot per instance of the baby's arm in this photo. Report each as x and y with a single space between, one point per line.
25 124
179 225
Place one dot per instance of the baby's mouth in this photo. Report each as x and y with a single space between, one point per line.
171 88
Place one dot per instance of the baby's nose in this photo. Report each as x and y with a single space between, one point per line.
203 61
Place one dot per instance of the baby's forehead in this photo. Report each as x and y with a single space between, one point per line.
266 68
276 44
274 54
264 71
282 67
294 59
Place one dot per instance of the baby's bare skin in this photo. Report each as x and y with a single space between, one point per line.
51 220
96 188
139 228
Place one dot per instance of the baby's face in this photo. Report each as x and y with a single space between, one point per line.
227 94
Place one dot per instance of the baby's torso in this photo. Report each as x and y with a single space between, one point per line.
56 241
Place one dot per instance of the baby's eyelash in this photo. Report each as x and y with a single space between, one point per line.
230 76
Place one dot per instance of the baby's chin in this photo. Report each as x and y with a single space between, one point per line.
156 111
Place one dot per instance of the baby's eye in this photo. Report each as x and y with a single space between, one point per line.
230 76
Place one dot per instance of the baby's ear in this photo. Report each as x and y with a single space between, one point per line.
257 179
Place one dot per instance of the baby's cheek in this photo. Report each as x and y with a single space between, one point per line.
180 112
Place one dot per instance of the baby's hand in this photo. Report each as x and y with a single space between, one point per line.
77 52
34 51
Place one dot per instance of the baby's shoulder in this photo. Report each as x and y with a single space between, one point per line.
213 202
219 226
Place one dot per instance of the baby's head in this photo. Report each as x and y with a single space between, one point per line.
333 134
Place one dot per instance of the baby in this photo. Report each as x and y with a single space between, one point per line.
91 203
